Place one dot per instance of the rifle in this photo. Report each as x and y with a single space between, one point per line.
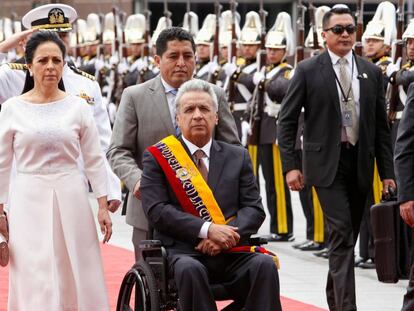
13 18
360 27
100 74
114 70
145 47
189 17
232 54
258 103
216 53
300 25
78 49
393 94
167 14
312 24
122 18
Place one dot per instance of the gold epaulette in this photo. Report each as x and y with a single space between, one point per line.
240 61
83 73
287 73
17 66
406 66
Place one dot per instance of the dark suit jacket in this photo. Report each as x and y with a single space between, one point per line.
234 187
143 118
313 87
404 151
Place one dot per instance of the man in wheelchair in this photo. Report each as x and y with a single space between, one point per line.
201 198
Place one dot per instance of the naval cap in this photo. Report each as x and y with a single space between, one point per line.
55 17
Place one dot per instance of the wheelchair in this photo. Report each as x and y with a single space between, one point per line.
154 287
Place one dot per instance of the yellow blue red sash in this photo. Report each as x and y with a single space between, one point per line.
192 191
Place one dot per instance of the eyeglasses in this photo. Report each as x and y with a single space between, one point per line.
339 29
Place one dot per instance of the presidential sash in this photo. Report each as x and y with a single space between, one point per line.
192 191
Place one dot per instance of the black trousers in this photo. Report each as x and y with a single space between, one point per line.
366 239
252 279
281 215
343 204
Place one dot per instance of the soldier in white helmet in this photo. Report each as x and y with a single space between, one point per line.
91 37
379 35
163 23
377 40
274 79
142 67
319 13
190 23
76 82
204 46
242 74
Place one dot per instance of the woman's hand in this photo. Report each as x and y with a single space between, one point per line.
4 226
104 219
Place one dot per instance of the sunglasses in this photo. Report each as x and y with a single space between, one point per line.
339 29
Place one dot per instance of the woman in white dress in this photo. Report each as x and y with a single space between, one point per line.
55 260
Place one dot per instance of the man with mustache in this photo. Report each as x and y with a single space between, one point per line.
147 114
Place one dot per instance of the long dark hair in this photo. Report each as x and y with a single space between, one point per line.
32 44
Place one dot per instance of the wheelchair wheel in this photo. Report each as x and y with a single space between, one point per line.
146 291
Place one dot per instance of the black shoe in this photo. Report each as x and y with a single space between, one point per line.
368 264
273 237
324 253
359 260
312 246
298 245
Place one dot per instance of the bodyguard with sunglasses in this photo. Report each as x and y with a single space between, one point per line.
345 129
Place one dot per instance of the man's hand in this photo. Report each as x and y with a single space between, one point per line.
225 236
137 192
294 180
208 247
113 205
15 40
386 185
407 212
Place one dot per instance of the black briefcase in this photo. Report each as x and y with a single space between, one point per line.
384 217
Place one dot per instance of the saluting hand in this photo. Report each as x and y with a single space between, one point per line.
16 39
407 212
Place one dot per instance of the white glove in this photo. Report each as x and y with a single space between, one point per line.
257 77
230 69
246 131
141 63
272 109
122 67
114 60
213 67
391 68
99 64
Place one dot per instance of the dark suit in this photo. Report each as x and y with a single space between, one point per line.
341 174
143 118
404 171
233 184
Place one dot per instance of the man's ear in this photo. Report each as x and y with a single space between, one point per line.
157 60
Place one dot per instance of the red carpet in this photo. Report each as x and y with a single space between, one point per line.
116 262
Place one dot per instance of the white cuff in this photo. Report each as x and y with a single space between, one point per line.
203 234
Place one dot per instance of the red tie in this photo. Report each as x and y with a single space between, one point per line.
198 156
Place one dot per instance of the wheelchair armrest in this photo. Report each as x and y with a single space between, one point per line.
257 241
146 244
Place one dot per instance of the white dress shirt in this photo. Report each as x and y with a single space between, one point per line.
203 234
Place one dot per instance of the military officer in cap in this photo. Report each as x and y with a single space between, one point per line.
242 72
204 43
274 78
59 17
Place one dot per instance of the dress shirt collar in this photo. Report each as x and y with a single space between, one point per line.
193 148
167 87
335 58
